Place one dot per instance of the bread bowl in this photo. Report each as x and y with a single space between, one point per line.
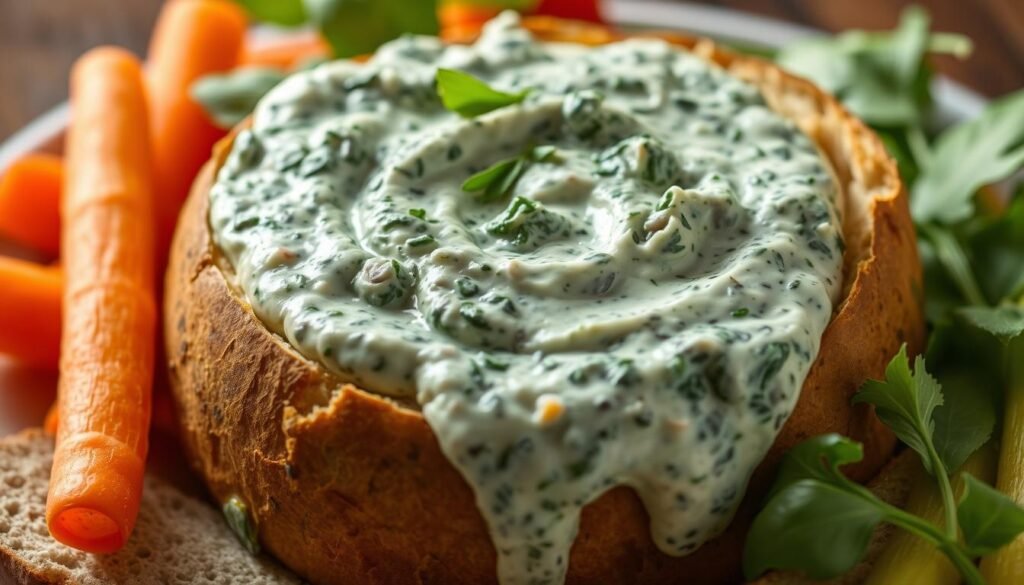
347 485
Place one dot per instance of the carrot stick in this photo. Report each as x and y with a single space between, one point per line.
286 54
30 297
457 15
193 38
106 360
163 417
30 200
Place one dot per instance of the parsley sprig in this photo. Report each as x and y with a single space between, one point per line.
818 521
469 97
973 255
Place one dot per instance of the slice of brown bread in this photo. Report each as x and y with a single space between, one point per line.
177 538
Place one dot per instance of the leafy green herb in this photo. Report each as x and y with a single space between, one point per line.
997 253
905 403
966 419
819 522
469 97
878 75
229 98
968 156
279 12
812 526
989 520
1005 322
357 27
497 181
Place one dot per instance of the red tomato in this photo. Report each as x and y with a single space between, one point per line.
588 10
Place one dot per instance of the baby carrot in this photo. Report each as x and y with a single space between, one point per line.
106 360
29 202
288 53
30 297
193 38
460 14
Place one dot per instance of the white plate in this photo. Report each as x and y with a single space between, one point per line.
25 395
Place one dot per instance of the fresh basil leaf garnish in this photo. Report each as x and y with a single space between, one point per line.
497 181
469 97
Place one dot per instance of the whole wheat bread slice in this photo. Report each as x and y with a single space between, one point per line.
177 538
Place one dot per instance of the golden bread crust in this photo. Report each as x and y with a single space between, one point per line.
348 487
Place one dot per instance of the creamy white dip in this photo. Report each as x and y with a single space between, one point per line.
641 309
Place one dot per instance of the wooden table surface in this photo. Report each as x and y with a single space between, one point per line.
39 39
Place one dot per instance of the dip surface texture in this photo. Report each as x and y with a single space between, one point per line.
641 307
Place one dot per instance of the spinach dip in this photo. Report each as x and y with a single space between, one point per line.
637 302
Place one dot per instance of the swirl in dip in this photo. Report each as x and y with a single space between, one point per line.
640 308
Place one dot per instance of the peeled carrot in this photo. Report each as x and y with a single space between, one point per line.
30 297
193 38
458 15
30 201
288 53
106 360
163 417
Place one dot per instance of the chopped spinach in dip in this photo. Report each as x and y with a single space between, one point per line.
639 306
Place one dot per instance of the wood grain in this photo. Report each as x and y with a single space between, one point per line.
39 39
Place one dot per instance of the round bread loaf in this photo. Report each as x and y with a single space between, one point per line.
348 487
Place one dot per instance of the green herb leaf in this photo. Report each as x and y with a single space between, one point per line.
279 12
811 526
997 254
988 518
358 27
951 256
968 156
817 458
229 98
905 402
965 420
469 97
879 75
497 181
1005 323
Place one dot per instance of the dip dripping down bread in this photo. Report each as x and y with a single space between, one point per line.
603 317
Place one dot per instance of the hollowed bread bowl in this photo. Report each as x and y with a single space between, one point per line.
348 487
